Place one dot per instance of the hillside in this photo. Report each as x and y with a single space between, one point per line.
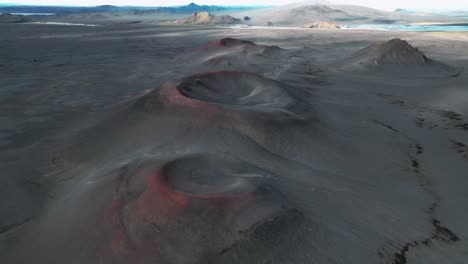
305 14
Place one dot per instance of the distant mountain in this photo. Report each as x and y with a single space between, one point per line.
188 9
404 11
57 9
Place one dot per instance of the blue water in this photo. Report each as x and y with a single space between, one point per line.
33 14
411 27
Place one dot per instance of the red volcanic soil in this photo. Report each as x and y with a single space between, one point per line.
168 97
231 53
212 90
202 204
229 42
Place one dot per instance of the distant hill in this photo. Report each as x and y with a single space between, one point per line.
304 14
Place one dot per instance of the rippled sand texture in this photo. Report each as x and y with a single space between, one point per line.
137 143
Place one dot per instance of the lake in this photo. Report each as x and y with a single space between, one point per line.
452 27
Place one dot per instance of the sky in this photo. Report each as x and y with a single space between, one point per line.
379 4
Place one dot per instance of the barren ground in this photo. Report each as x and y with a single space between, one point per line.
344 164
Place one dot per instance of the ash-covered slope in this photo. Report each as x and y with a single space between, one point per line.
392 52
193 197
234 54
210 170
224 90
398 56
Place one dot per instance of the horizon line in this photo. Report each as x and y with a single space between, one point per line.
71 5
223 5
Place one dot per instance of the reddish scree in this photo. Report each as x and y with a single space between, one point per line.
161 204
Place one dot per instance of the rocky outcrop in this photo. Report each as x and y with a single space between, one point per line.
205 18
324 25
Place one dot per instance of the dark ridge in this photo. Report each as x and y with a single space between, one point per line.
451 115
431 209
233 42
399 102
426 242
230 42
461 148
419 148
414 163
386 125
442 233
5 229
456 75
459 144
227 249
463 126
420 121
400 257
